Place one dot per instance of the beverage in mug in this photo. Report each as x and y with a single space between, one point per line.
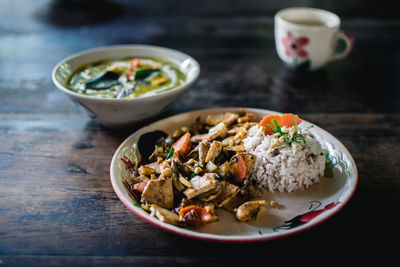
309 38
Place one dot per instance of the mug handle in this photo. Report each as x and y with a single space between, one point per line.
344 46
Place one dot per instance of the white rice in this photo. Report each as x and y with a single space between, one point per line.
288 170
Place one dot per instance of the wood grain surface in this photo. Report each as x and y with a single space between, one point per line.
57 206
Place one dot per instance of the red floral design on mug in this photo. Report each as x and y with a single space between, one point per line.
294 46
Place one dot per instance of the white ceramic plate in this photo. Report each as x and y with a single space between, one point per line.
299 210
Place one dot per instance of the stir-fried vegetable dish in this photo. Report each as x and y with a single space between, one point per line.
187 175
126 78
184 177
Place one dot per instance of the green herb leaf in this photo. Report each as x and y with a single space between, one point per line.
220 158
171 152
277 127
192 175
328 173
144 73
308 128
295 122
302 138
103 81
287 138
272 128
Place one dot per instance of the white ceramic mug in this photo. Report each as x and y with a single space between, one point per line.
309 38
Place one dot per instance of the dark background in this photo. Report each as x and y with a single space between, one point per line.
57 206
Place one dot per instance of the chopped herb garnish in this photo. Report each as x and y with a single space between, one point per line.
192 175
308 128
328 173
221 158
287 138
144 73
162 146
277 127
297 137
171 152
302 138
272 128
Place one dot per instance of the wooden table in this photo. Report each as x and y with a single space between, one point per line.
57 206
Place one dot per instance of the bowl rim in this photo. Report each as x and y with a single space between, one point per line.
185 85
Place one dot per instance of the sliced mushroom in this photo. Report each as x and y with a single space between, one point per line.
214 151
211 167
240 135
136 185
158 152
248 117
155 166
228 141
237 127
143 170
166 169
227 190
199 137
203 150
237 148
184 181
223 169
201 185
164 215
218 130
178 185
227 118
235 201
211 195
225 204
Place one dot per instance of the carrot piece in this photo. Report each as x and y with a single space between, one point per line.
186 209
286 119
182 146
241 168
268 120
201 215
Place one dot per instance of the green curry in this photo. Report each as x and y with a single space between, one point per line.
126 78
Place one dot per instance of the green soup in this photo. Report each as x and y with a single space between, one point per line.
126 78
